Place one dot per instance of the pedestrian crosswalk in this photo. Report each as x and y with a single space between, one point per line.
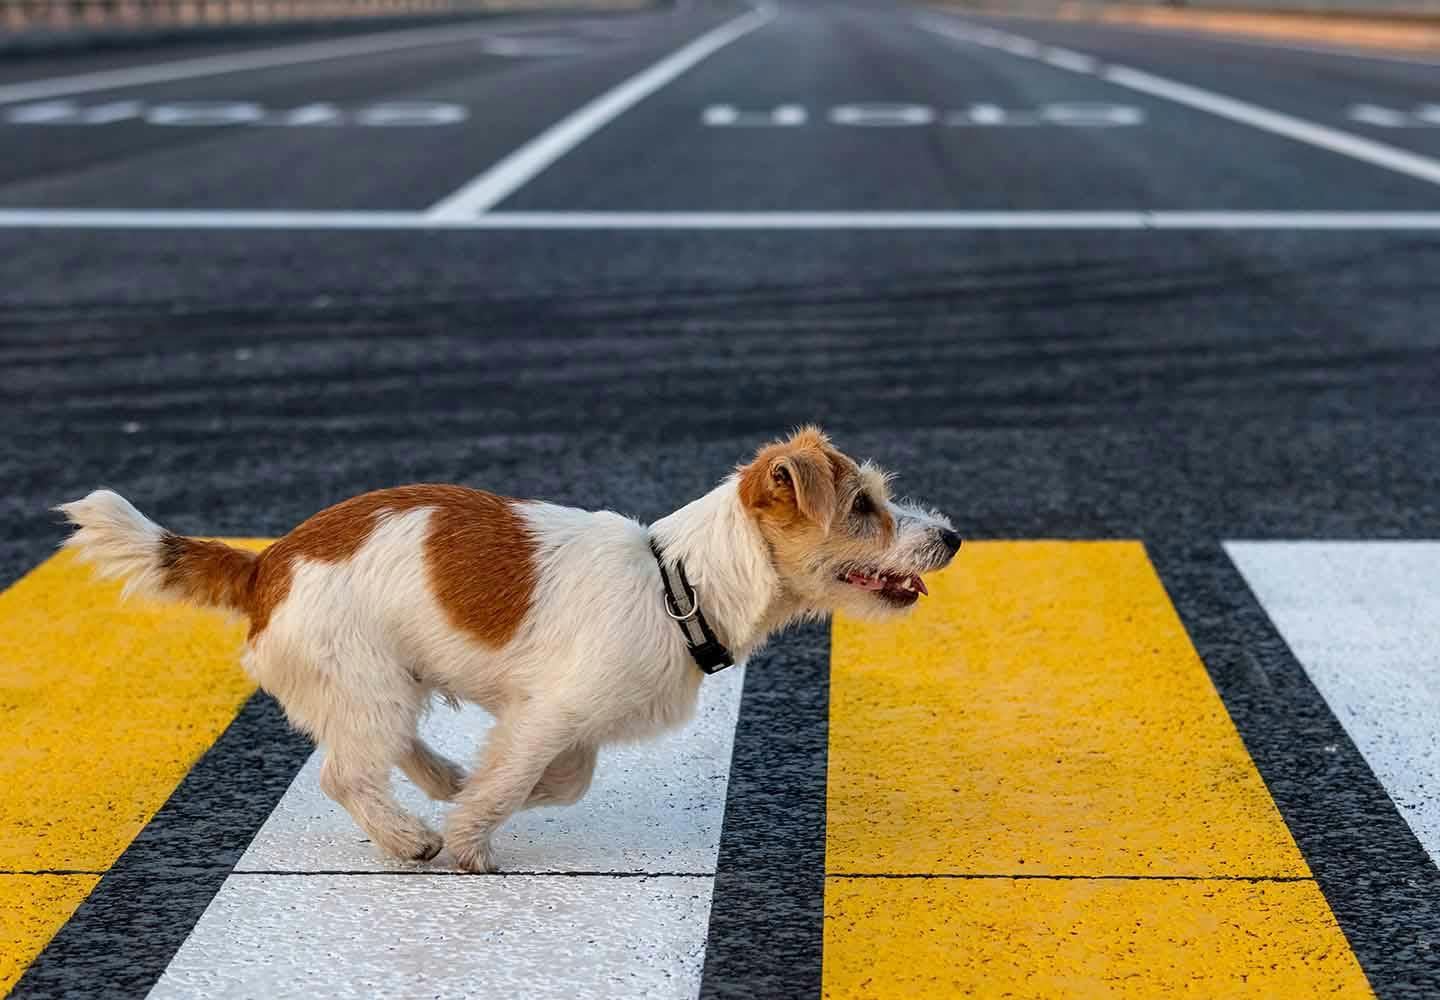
1033 789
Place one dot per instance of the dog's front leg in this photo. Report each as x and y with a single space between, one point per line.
520 748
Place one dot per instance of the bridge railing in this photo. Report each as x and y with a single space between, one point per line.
23 16
1360 8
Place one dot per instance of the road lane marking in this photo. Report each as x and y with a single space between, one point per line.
1363 619
1321 136
1422 116
46 218
228 114
519 167
628 872
1075 62
729 116
242 62
115 702
1222 39
414 935
1042 737
1243 112
32 909
1035 938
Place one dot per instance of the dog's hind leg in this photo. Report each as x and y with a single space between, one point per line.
437 775
519 750
566 779
360 782
362 708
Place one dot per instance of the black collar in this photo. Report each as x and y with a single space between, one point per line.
683 606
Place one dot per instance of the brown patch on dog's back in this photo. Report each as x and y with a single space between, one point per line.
478 552
481 558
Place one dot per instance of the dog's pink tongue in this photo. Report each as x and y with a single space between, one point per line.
866 582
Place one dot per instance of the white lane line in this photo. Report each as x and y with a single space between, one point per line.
1363 619
1076 62
520 166
1275 122
1220 39
1322 136
187 69
1153 220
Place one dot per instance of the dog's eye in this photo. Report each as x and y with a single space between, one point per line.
862 505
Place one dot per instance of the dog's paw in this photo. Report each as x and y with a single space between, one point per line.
429 846
415 842
476 858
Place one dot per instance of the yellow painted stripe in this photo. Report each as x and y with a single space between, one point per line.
105 705
32 909
1043 939
1044 714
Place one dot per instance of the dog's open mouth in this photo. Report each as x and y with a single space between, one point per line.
897 588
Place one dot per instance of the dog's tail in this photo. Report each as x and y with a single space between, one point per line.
123 543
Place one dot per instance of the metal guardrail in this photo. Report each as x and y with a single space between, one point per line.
19 17
1349 8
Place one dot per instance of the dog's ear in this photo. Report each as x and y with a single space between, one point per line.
797 473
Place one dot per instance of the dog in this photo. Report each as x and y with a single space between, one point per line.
574 628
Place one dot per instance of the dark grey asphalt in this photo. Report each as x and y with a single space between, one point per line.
1179 387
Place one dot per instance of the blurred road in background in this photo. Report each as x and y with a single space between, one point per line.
1151 315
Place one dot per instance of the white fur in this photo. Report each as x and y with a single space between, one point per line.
119 540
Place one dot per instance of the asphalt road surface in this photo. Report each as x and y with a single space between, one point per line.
1074 283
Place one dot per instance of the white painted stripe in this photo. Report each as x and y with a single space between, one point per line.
1363 618
1155 220
1275 122
1321 136
240 62
418 937
606 898
654 807
520 166
1296 220
1076 62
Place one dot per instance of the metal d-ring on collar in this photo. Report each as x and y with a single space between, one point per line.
709 653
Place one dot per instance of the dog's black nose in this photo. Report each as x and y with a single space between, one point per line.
951 540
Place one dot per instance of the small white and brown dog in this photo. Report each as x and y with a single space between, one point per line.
573 628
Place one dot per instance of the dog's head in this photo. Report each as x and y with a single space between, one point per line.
838 540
